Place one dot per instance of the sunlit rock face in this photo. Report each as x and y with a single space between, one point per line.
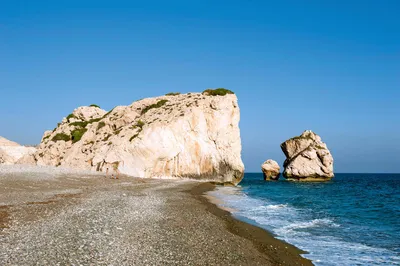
307 158
271 170
194 135
11 152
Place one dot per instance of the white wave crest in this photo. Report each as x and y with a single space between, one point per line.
294 226
313 223
276 206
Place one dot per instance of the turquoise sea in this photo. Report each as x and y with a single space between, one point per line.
352 220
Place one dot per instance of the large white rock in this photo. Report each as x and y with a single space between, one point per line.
8 143
11 152
183 136
307 158
271 170
5 158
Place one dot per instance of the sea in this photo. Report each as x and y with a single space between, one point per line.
354 219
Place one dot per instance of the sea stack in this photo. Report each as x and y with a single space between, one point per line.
307 158
194 135
271 170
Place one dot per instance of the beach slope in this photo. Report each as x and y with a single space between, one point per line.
55 216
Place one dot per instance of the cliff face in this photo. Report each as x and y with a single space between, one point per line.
178 136
11 152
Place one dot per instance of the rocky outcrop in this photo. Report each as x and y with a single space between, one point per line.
11 152
46 135
194 135
307 158
271 170
7 143
5 158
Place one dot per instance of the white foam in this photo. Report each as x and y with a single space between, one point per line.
295 226
276 206
302 225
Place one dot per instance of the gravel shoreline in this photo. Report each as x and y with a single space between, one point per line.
73 218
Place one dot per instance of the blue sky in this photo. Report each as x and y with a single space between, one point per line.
329 66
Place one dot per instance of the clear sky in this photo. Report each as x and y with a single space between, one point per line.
329 66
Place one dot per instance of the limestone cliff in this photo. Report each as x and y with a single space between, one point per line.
194 135
11 152
307 158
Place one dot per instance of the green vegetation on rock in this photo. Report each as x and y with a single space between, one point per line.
107 137
217 92
58 124
100 125
139 123
109 112
152 106
172 94
71 116
61 136
85 123
94 105
79 124
77 134
134 137
94 120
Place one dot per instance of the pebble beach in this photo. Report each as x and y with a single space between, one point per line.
55 216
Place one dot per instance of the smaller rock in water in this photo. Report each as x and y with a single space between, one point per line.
271 170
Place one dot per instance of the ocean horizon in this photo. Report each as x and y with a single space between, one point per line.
350 220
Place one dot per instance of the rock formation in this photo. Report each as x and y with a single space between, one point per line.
194 135
271 170
307 158
11 152
7 143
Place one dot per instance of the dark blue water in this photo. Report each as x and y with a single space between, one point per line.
352 220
